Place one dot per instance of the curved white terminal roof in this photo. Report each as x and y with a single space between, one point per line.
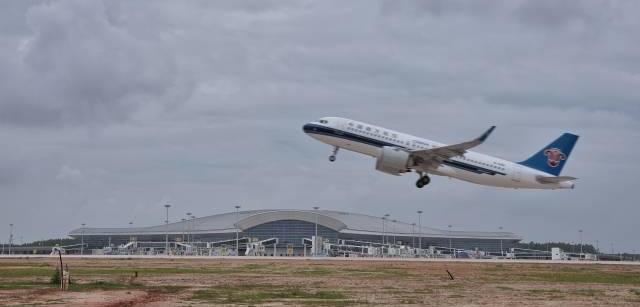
343 222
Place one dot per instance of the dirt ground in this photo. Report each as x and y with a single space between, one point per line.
270 282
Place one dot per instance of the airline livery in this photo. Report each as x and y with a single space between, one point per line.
398 153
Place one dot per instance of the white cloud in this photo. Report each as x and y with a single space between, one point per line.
69 174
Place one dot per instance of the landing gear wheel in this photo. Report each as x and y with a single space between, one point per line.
332 157
424 180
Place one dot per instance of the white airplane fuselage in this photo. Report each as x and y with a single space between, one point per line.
473 167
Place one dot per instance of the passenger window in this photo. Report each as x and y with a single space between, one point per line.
359 126
368 128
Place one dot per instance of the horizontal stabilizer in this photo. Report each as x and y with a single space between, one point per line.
558 179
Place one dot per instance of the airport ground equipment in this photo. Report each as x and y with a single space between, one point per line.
64 249
259 248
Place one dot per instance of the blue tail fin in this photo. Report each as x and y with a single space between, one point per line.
552 158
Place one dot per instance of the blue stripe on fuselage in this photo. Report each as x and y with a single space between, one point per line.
322 130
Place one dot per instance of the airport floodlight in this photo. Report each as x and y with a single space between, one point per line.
501 250
166 237
190 226
580 231
386 215
450 245
394 231
237 233
420 229
82 239
10 237
413 235
183 228
315 239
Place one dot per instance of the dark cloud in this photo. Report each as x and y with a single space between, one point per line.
110 108
556 14
79 68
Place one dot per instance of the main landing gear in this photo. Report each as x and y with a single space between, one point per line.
332 157
422 181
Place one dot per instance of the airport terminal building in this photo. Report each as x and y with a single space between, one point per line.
292 228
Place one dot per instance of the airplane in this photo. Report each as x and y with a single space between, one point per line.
398 153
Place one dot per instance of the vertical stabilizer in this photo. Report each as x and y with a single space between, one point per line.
552 158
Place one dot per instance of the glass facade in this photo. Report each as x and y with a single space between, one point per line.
290 232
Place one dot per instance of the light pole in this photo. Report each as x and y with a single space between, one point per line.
501 250
166 237
184 228
386 216
188 229
193 217
237 234
315 239
82 240
413 235
130 233
420 229
10 237
450 245
382 219
394 232
580 231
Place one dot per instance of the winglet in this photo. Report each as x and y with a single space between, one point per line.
485 135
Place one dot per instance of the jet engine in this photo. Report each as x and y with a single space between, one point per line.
392 160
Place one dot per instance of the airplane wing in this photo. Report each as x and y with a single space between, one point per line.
432 158
553 179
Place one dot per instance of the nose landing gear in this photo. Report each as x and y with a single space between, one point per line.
332 157
422 181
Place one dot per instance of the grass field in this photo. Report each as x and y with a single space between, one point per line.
269 282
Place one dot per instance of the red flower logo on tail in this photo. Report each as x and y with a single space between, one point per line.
554 156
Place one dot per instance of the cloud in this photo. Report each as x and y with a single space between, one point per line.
79 67
69 174
109 107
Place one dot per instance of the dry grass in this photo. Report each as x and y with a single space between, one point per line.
190 282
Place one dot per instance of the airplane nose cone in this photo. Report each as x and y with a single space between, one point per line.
307 128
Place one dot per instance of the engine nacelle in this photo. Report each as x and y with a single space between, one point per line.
392 160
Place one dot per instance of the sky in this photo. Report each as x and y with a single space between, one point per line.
111 109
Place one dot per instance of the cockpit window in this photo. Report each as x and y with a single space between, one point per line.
322 121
